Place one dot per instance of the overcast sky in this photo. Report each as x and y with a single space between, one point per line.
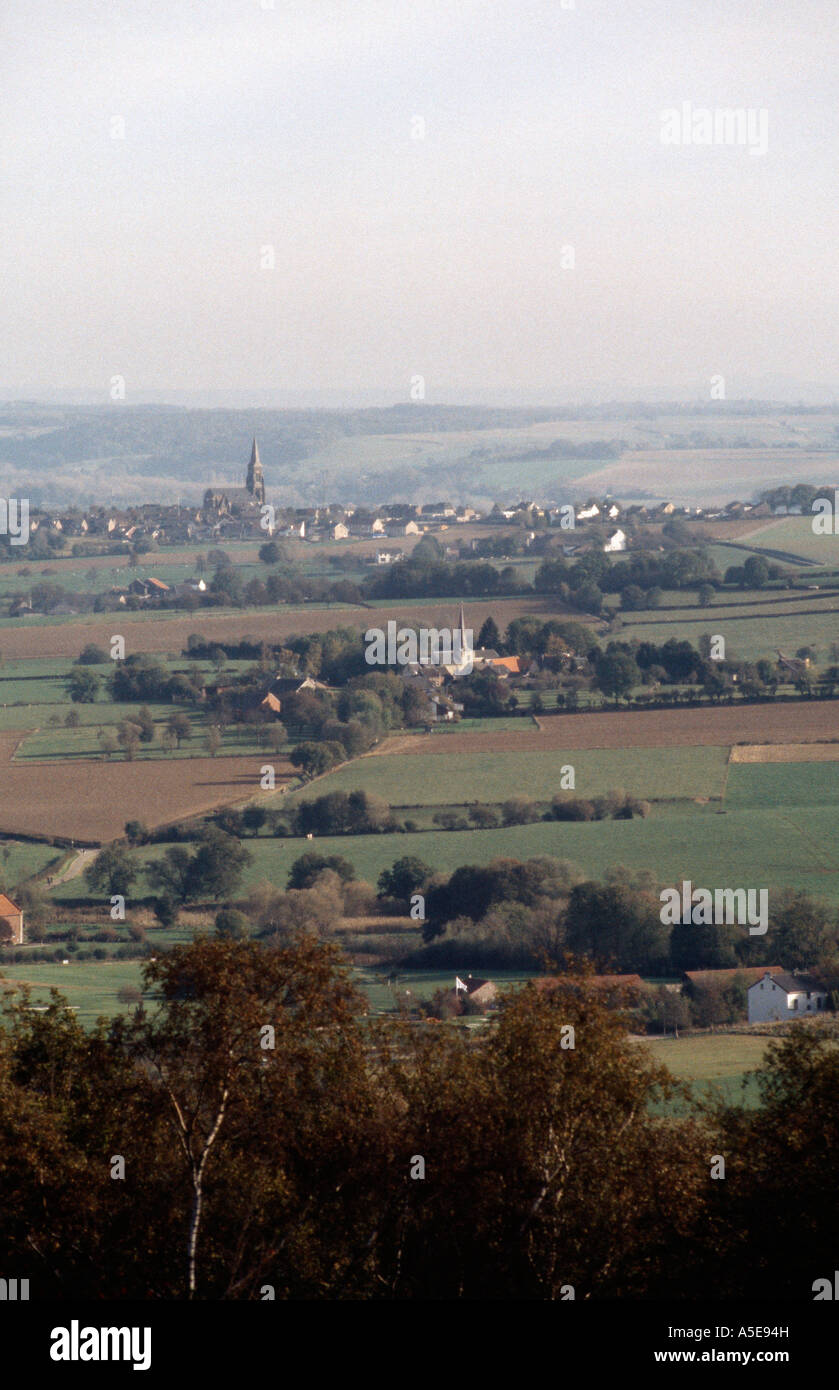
293 127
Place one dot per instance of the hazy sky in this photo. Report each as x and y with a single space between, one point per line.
292 126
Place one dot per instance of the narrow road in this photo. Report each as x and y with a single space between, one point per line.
75 867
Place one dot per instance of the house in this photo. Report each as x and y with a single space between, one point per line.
793 665
148 588
481 992
588 513
192 586
271 704
339 532
11 922
617 541
293 685
781 996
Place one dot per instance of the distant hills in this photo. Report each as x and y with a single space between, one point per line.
61 454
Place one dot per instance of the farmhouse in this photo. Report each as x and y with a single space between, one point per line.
782 996
148 588
482 992
11 922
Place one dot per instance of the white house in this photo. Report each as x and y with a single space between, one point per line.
339 531
588 513
617 541
783 996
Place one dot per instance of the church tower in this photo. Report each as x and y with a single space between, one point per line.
255 482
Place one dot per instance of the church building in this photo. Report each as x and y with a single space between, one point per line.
238 501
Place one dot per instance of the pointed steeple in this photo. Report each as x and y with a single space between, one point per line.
465 637
255 482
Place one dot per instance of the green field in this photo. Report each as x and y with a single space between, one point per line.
760 847
747 639
772 848
437 779
59 742
796 534
90 987
716 1065
20 861
782 785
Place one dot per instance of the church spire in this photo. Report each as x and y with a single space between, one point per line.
255 482
465 643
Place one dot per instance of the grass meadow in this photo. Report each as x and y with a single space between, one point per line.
440 778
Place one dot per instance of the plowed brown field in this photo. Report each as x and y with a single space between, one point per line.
169 634
810 721
92 801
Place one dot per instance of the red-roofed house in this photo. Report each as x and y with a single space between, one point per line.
11 922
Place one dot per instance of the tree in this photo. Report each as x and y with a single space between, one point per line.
617 928
166 911
231 925
172 874
92 655
212 742
755 572
83 686
227 582
218 865
128 736
313 759
36 905
489 636
588 597
803 932
203 1045
633 598
253 818
136 832
106 738
616 672
112 871
404 877
705 595
308 866
519 810
145 723
179 725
